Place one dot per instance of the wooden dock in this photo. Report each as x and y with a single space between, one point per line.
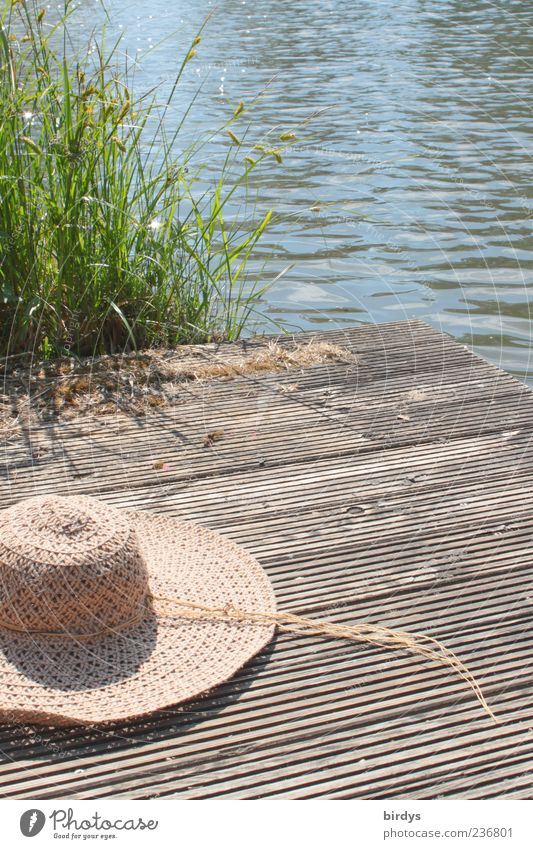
395 489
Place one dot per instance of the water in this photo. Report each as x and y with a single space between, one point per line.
421 165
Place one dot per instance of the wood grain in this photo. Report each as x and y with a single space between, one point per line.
394 489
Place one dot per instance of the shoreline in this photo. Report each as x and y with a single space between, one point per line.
135 384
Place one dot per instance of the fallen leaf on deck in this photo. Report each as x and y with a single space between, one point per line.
212 437
285 388
161 466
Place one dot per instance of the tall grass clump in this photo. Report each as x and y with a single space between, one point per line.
107 240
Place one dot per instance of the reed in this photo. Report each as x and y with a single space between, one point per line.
108 240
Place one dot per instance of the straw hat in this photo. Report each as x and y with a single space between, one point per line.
82 639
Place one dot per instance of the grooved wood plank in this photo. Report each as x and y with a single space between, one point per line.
394 489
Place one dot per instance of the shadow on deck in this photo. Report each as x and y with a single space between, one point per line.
394 489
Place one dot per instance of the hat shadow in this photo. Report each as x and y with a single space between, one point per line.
68 664
26 741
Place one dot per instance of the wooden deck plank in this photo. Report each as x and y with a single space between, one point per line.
393 489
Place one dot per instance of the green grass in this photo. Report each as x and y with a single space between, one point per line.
107 240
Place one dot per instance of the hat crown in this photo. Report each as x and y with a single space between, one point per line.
69 563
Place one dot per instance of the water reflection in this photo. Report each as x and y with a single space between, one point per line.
420 167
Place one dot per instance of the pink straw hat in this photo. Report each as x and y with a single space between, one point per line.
84 637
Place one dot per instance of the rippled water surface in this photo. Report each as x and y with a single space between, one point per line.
420 166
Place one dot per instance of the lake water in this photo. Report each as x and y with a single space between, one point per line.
421 165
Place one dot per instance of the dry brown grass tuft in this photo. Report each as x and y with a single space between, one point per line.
134 384
274 358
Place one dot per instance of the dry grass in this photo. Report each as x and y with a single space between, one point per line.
274 358
134 384
364 632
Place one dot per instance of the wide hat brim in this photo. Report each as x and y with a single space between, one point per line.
158 663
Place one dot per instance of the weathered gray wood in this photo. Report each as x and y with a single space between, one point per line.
395 489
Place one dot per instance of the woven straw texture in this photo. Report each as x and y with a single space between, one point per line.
76 566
